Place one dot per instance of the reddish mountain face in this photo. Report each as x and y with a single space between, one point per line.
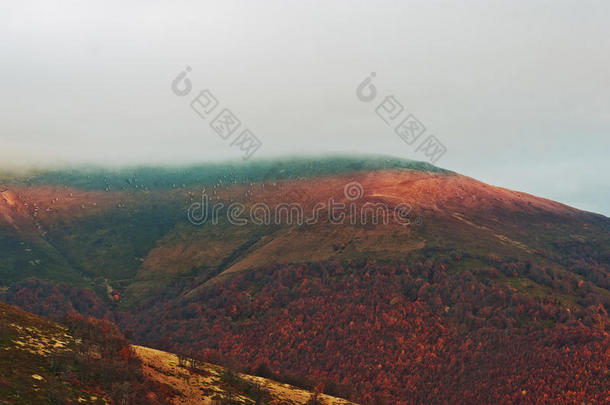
431 287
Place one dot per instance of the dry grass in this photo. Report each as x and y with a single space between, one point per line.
201 386
26 343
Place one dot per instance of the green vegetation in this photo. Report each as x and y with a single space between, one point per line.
22 259
107 245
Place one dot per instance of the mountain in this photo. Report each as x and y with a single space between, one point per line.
58 214
89 362
391 281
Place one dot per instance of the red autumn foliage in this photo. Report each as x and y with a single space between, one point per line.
403 332
104 361
399 333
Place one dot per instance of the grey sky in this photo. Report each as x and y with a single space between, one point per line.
516 91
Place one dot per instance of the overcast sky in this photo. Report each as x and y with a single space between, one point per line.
517 91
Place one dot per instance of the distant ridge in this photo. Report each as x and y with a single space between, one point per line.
154 177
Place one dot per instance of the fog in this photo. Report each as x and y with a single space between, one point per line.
517 92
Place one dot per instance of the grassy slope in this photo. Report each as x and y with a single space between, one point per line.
207 381
129 225
27 341
89 223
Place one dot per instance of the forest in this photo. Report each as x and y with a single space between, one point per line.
394 332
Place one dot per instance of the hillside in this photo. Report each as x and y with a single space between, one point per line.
40 363
27 345
84 361
201 383
59 217
476 294
133 231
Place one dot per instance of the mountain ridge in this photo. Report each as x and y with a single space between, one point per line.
43 211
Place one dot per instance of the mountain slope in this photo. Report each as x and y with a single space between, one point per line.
36 353
477 293
141 240
206 381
